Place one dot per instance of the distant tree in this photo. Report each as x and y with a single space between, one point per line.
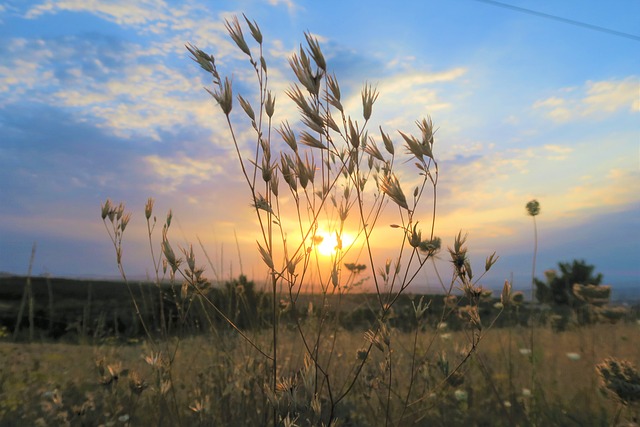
560 289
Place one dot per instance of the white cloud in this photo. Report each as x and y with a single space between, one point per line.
593 99
181 168
406 97
290 4
122 12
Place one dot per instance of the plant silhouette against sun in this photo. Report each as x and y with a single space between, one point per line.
328 169
336 172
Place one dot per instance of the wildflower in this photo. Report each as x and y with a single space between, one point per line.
461 395
621 378
526 392
420 308
525 351
573 356
533 207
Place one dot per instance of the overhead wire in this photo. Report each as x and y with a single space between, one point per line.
561 19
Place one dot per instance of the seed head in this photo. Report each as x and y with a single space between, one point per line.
316 53
247 108
148 209
390 185
533 208
369 96
505 297
234 30
388 145
266 257
270 104
254 29
621 378
106 208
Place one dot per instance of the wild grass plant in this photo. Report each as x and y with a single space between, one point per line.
220 381
294 362
326 170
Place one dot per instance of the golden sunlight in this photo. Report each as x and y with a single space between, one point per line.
328 243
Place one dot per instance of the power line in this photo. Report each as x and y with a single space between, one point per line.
561 19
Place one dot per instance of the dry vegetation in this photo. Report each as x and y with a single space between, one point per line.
215 353
219 380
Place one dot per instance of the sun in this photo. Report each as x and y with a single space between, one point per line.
328 243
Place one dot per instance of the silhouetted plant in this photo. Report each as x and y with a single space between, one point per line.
326 169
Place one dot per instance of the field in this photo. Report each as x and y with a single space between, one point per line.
88 376
337 207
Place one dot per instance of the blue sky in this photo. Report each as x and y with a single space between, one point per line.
100 99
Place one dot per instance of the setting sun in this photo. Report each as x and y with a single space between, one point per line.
327 243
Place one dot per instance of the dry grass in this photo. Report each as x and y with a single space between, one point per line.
221 378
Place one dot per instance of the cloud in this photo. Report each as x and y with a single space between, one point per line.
121 12
403 94
593 99
290 4
557 152
178 169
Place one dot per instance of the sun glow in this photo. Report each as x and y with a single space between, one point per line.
328 243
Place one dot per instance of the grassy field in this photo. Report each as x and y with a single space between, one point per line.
221 380
191 349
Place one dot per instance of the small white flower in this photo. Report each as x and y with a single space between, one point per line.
442 325
123 418
573 356
445 336
525 351
461 395
507 404
526 392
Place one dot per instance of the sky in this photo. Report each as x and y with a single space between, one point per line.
532 100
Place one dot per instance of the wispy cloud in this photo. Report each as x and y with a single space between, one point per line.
290 4
180 168
593 99
118 11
